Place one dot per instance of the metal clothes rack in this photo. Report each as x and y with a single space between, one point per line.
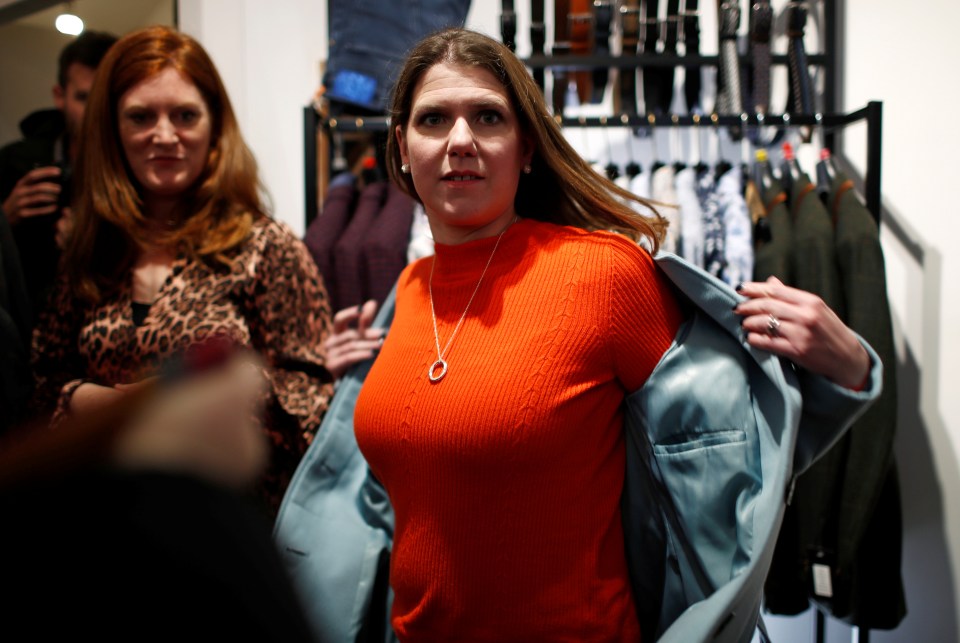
830 120
872 113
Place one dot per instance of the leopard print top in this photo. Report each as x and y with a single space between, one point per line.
271 298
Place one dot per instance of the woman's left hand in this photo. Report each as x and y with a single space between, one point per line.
798 325
353 339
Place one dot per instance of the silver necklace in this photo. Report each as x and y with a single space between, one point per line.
441 364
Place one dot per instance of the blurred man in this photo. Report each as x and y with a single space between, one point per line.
35 171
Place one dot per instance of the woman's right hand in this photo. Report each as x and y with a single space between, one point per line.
352 340
90 398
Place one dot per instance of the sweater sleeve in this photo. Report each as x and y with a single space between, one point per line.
58 368
289 321
644 313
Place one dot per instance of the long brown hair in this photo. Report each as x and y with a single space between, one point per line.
216 213
562 188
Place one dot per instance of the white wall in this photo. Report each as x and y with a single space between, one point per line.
28 69
268 53
30 47
908 60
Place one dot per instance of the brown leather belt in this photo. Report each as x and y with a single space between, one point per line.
581 43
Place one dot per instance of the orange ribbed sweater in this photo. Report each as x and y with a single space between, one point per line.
506 476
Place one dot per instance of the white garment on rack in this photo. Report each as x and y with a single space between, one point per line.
640 185
599 168
421 236
714 256
737 228
691 216
661 185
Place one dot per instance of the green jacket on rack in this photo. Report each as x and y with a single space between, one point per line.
851 495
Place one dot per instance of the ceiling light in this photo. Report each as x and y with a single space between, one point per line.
69 24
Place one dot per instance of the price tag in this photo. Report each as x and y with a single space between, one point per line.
822 582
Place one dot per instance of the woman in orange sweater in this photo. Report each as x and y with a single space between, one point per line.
493 414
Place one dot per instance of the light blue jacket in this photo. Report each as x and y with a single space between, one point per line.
714 440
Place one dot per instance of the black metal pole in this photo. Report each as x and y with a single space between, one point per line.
310 122
831 66
874 158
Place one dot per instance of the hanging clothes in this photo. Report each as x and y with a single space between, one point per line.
691 216
326 228
384 252
640 185
867 585
421 236
813 256
360 240
349 267
369 41
772 249
737 237
714 257
661 187
806 558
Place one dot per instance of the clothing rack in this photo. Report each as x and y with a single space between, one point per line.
829 121
872 113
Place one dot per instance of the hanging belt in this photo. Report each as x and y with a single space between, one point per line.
729 98
581 43
657 81
561 47
671 36
508 24
603 22
538 37
801 91
689 36
761 23
630 20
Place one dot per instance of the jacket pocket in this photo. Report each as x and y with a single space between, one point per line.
709 477
683 444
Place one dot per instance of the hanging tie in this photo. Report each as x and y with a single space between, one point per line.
801 91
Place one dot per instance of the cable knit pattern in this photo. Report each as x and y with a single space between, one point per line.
506 475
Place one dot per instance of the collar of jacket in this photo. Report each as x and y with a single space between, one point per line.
43 124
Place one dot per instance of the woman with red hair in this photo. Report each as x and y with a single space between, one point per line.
172 245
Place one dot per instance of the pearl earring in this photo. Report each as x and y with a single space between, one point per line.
527 169
405 168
